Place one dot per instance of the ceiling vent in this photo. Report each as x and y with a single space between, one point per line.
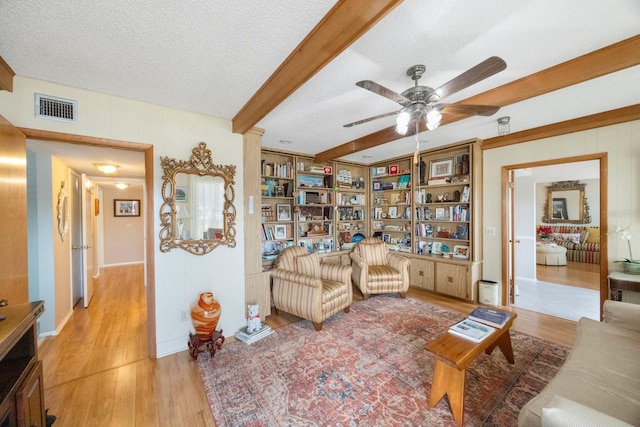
51 107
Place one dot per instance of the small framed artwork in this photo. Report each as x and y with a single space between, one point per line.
441 168
284 212
461 251
281 232
126 207
441 213
435 248
386 237
307 244
328 170
393 212
377 185
393 169
181 194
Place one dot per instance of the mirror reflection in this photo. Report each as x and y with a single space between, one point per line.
566 203
198 213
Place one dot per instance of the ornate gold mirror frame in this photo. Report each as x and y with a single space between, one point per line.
562 199
216 219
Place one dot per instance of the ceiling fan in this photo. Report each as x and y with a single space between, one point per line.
422 101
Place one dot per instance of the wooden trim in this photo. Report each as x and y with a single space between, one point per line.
604 225
607 118
612 58
343 24
149 209
6 76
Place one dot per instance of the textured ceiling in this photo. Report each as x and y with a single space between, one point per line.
211 57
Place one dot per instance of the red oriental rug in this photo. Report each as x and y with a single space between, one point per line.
368 368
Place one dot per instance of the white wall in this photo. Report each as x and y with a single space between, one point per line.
179 277
621 142
123 237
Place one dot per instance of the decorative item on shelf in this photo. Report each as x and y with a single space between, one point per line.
629 265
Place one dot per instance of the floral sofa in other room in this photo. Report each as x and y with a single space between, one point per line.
582 242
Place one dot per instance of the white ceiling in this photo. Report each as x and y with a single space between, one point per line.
211 57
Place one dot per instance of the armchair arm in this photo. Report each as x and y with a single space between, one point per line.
398 262
623 314
360 270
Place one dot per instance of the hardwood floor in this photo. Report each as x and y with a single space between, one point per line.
578 274
96 371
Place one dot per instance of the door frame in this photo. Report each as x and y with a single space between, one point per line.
149 210
507 232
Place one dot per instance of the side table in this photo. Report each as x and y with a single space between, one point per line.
198 344
619 281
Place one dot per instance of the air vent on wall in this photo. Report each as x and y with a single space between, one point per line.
51 107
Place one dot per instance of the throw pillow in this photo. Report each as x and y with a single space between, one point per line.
594 235
562 412
308 264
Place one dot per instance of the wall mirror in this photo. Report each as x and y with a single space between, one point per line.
63 210
566 204
198 213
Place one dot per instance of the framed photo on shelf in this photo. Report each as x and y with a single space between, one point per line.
284 212
393 211
126 207
435 248
461 251
441 168
307 244
386 237
441 213
281 232
393 169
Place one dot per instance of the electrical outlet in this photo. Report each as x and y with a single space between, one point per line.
183 316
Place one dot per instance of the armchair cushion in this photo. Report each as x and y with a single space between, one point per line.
383 273
308 264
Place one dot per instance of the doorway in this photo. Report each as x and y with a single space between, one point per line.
574 288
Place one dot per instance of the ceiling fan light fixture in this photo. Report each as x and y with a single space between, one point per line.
403 119
402 129
122 185
503 125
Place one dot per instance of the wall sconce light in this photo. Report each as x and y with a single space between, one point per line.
122 185
503 125
106 168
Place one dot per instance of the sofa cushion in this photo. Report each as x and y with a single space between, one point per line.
308 264
563 412
593 235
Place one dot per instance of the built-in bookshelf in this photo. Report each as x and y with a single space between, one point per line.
391 193
351 202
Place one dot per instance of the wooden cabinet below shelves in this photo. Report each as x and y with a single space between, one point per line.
421 273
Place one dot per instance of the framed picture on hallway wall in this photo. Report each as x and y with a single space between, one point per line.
126 207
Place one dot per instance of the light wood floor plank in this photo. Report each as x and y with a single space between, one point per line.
96 371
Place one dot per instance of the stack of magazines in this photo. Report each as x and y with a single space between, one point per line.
249 337
489 316
471 330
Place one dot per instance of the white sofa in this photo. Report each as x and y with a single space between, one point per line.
600 378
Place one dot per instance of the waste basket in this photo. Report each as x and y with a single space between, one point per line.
488 292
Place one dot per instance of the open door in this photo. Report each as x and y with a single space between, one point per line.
88 233
511 283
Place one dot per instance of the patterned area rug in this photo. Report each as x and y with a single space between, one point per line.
368 368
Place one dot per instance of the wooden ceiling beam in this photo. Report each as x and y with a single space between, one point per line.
6 76
607 118
615 57
343 24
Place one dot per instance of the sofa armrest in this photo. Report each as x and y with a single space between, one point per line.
623 314
562 412
297 278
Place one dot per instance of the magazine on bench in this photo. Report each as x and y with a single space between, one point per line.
489 316
471 330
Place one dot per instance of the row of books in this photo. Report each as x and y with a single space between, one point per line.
248 338
480 323
276 169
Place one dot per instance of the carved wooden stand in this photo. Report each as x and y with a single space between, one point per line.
198 344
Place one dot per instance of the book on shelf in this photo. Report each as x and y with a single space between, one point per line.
439 181
250 337
489 316
471 330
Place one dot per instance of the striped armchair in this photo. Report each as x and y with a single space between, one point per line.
309 289
378 271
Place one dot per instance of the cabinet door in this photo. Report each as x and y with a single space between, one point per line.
454 280
421 274
30 399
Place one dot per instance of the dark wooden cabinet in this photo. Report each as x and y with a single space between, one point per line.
21 387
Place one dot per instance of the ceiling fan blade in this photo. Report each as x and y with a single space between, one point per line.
486 68
379 116
383 91
468 109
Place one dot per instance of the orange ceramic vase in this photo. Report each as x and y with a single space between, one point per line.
205 315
